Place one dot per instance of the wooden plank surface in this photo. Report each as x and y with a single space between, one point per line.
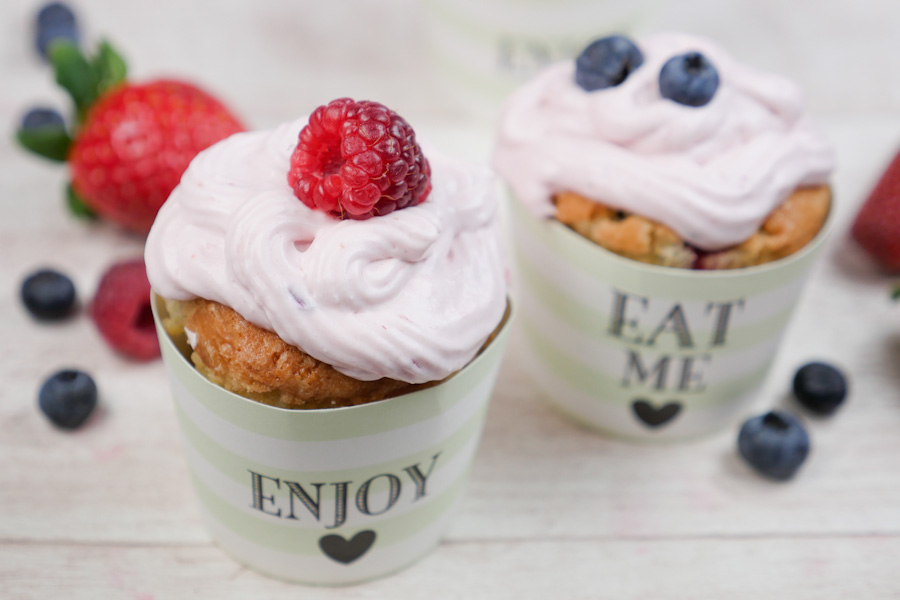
551 510
800 569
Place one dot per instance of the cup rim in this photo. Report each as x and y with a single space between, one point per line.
560 231
502 330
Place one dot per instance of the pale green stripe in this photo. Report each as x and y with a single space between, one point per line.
335 423
652 280
277 535
235 467
340 423
593 323
608 389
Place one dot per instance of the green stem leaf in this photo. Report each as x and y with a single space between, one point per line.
77 206
74 74
109 68
896 293
51 141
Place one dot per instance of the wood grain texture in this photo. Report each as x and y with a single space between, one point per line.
800 569
549 507
552 511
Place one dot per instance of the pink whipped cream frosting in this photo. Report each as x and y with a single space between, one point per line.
411 295
711 173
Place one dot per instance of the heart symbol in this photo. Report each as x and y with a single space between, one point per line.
652 416
345 551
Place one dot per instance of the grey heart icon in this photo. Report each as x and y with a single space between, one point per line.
652 416
345 551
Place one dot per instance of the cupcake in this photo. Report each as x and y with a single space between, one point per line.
331 302
669 152
667 203
302 299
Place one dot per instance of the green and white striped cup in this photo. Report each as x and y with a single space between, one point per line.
645 352
482 50
331 496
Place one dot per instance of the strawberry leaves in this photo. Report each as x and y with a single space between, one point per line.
109 68
86 79
50 141
77 206
74 74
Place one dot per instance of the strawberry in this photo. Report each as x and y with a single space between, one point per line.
135 143
131 142
877 225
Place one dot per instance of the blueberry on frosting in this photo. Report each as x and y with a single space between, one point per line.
689 79
606 62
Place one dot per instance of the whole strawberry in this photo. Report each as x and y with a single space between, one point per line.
877 226
131 142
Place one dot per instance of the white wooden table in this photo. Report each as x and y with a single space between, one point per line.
552 511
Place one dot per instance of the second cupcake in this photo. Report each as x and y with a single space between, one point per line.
668 201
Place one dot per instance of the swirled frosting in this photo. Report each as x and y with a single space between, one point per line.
411 295
711 173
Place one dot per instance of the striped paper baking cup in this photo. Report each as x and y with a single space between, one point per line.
645 352
330 496
482 50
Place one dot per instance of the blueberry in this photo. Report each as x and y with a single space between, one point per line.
606 62
776 444
48 294
820 387
689 79
68 398
36 118
55 14
55 21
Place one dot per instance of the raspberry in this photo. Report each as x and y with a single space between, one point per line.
121 310
357 160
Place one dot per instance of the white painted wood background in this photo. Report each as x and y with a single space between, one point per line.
552 511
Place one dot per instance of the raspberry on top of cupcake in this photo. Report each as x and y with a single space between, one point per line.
337 238
667 150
